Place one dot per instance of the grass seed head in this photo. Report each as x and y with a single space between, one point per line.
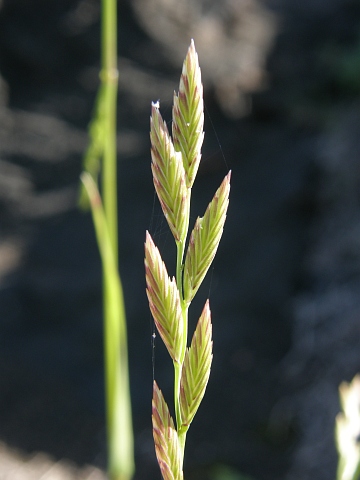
164 300
168 452
196 368
169 176
205 239
188 115
175 163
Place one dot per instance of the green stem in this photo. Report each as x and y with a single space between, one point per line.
103 146
109 79
109 35
118 405
117 389
177 377
182 440
180 250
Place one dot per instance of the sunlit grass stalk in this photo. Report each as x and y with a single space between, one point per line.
175 162
101 159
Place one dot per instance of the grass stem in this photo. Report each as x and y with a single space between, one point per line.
118 406
101 157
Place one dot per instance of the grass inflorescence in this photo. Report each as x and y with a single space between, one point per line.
175 162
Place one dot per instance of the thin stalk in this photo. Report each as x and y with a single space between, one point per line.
177 377
117 389
119 416
109 79
180 250
101 157
119 425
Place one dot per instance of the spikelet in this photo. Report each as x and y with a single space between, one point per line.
169 176
204 240
168 452
164 300
196 368
188 115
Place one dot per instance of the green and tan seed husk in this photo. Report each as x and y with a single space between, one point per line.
169 176
188 115
165 438
164 300
196 368
205 239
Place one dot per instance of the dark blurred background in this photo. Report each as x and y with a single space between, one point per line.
282 96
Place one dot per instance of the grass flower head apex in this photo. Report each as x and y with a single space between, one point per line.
188 115
169 176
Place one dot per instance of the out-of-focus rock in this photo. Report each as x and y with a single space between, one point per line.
232 37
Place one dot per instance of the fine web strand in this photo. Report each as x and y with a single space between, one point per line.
153 340
151 320
160 232
216 136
